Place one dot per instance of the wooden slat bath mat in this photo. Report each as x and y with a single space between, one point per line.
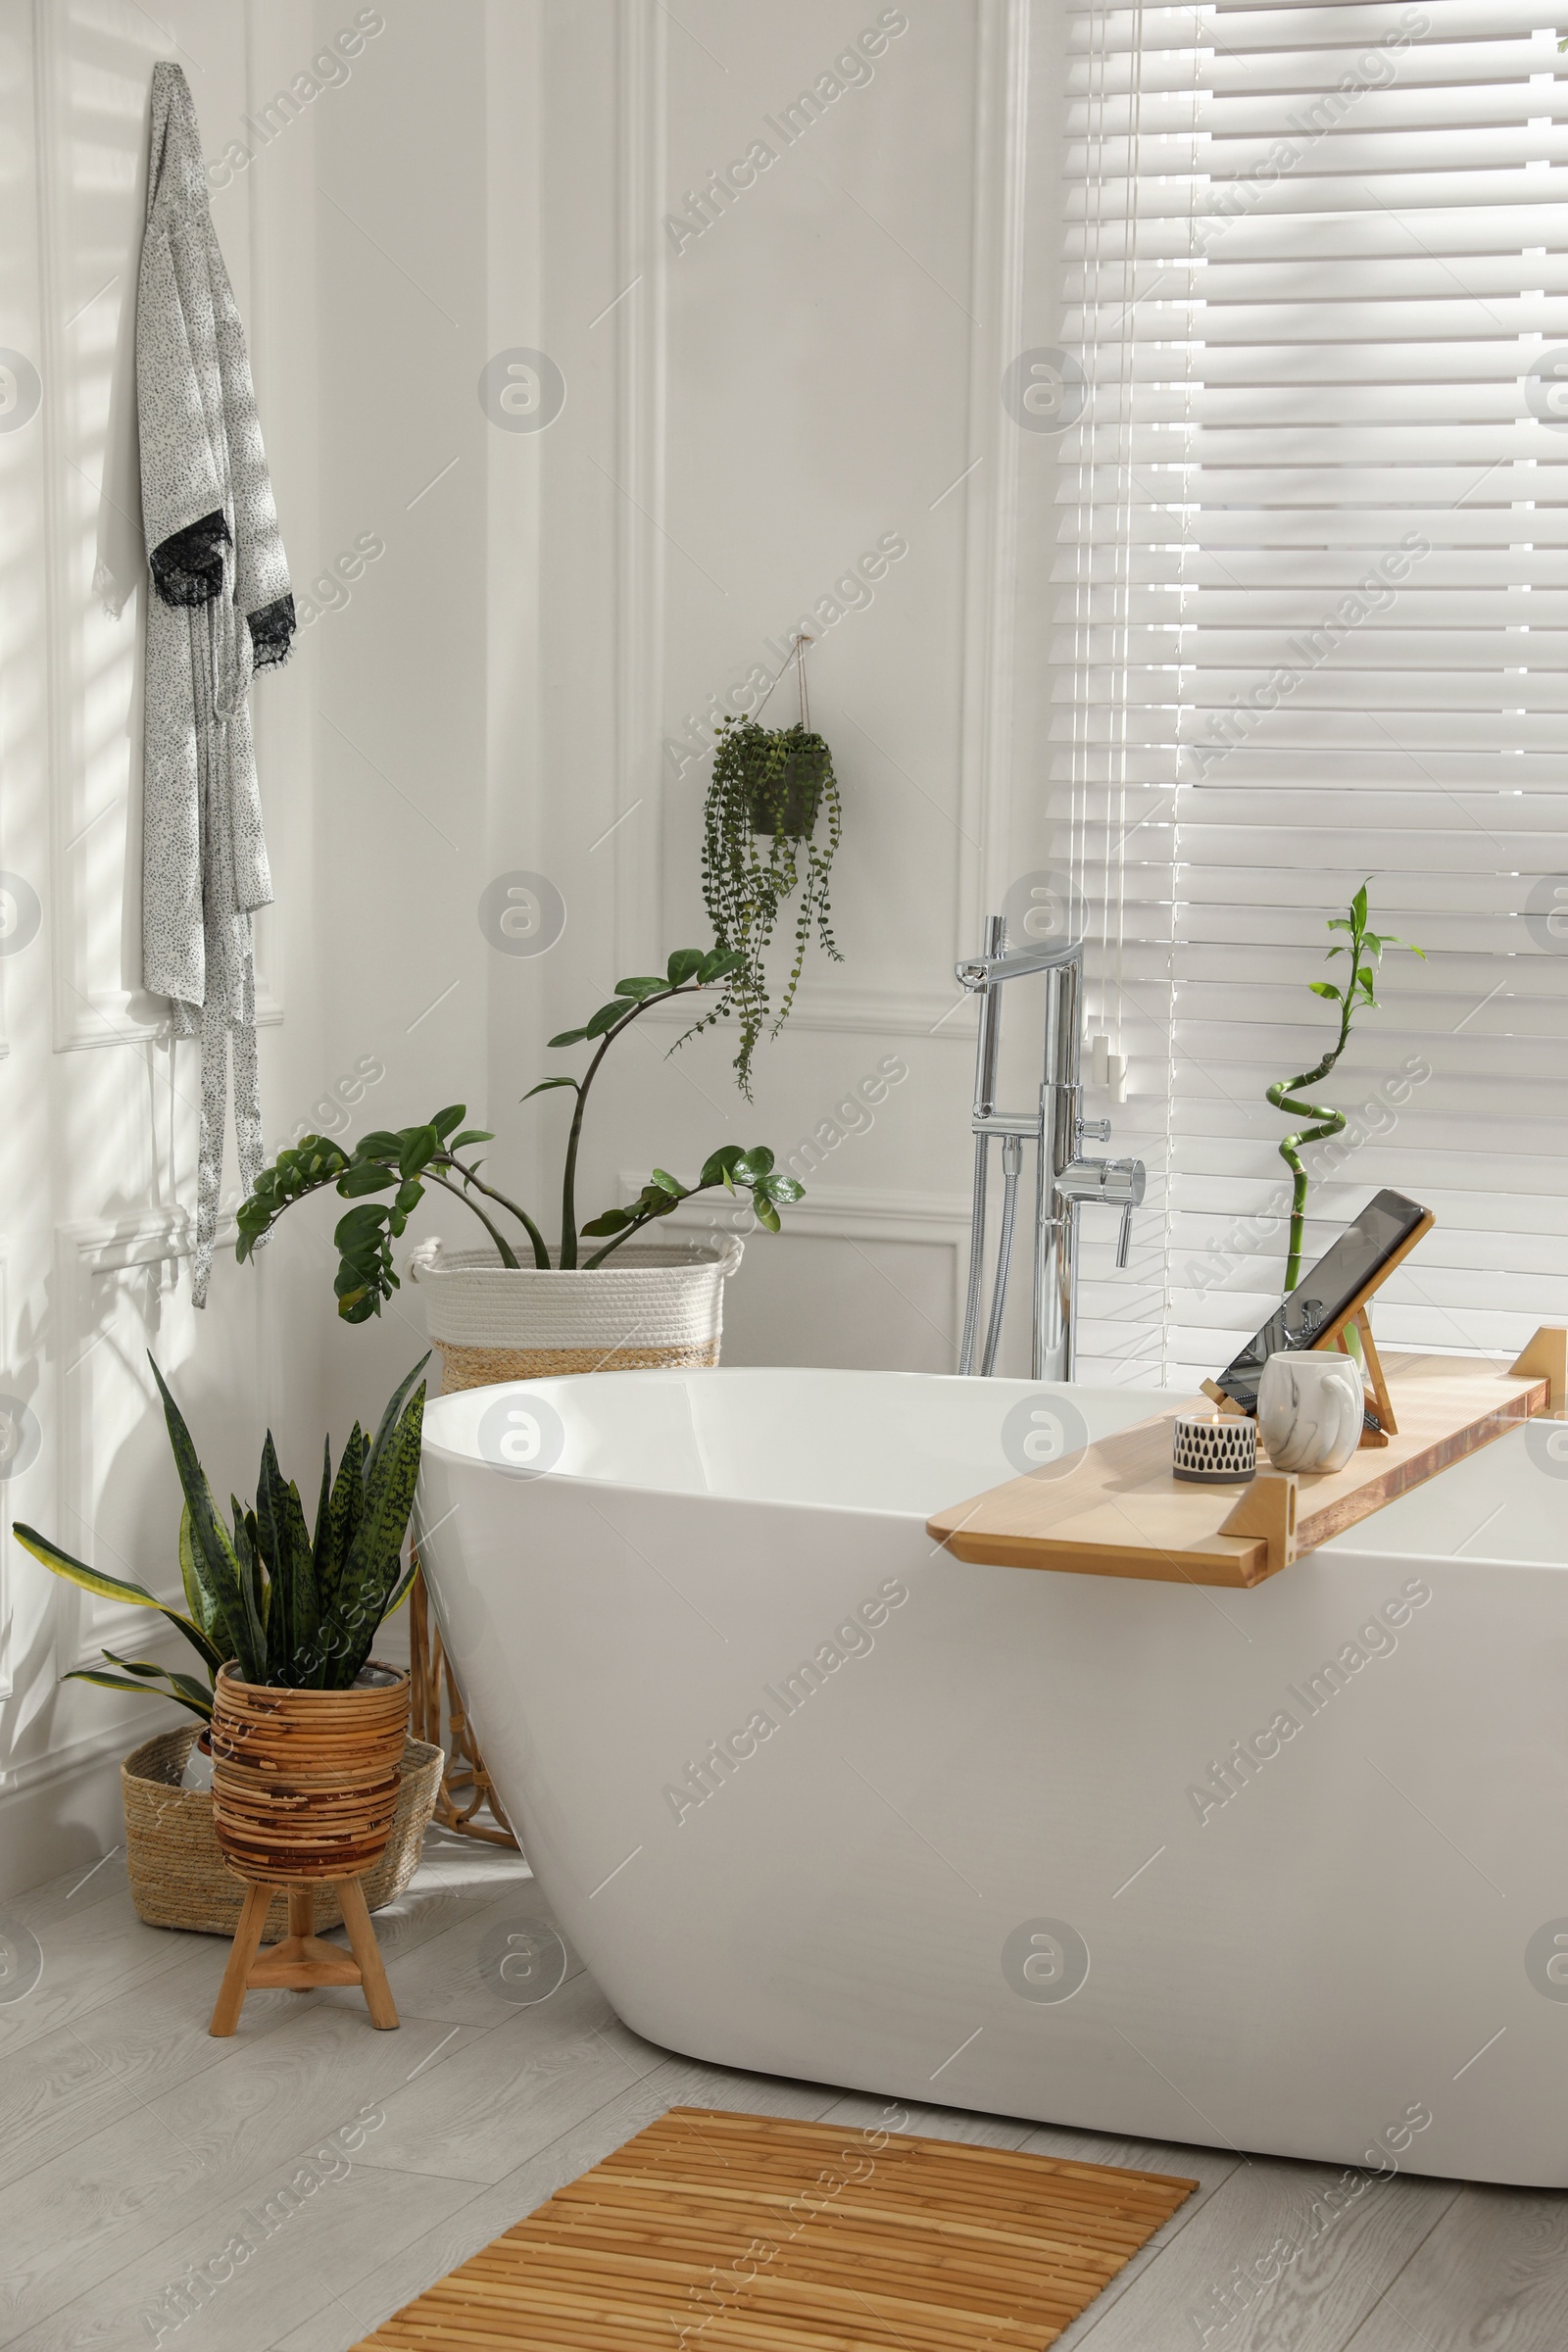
713 2230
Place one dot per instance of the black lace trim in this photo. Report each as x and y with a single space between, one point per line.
188 568
272 631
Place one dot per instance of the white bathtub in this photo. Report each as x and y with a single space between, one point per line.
907 1863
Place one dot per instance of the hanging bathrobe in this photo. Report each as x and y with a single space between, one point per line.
221 610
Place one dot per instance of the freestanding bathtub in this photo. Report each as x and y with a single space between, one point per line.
1284 1869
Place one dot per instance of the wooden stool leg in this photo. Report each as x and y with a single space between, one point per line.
368 1952
247 1937
301 1917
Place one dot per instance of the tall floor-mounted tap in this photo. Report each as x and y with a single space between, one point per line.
1064 1181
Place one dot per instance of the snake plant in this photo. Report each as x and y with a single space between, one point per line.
295 1609
1364 947
404 1162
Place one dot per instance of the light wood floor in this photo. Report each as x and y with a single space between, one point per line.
134 2150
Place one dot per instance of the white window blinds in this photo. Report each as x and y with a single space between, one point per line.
1312 607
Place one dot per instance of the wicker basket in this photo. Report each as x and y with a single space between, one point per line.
656 1307
305 1782
179 1878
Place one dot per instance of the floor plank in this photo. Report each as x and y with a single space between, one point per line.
455 1971
80 2216
53 2092
1281 2258
295 2226
309 2079
500 2095
89 1955
1493 2276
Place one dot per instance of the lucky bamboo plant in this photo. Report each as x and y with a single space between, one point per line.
289 1608
1364 947
402 1162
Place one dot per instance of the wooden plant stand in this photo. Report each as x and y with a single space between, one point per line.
306 1785
302 1959
466 1785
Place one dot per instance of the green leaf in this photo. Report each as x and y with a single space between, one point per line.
1324 988
473 1135
395 1406
344 1512
667 1183
283 1543
684 965
370 1570
138 1666
784 1187
380 1144
402 1593
110 1587
373 1176
91 1580
188 1690
210 1544
543 1088
718 963
766 1214
612 1220
445 1120
202 1599
608 1017
641 989
718 1169
419 1146
120 1682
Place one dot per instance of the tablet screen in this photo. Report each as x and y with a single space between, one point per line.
1325 1290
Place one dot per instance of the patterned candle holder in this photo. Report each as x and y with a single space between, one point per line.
1214 1449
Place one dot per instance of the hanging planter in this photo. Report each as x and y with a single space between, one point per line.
786 792
771 786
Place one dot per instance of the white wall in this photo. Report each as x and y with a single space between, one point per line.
545 616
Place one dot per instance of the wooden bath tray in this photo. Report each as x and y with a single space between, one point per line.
1119 1511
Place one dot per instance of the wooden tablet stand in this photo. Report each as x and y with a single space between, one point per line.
1333 1335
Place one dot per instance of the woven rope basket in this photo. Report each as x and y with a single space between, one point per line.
305 1782
179 1878
656 1307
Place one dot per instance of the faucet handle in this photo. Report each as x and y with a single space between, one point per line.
1125 1237
1094 1131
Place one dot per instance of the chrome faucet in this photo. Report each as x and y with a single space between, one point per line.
1064 1181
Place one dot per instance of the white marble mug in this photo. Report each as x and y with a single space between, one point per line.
1309 1408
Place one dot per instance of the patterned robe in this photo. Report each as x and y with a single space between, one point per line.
222 609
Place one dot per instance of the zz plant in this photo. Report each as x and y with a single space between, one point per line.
441 1153
1364 946
289 1608
773 803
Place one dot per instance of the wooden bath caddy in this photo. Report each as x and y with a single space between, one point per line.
1119 1511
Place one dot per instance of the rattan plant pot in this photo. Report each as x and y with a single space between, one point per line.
179 1878
656 1307
305 1782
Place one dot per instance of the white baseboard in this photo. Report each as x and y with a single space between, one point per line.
54 1821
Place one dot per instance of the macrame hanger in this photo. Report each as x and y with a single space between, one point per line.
800 645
